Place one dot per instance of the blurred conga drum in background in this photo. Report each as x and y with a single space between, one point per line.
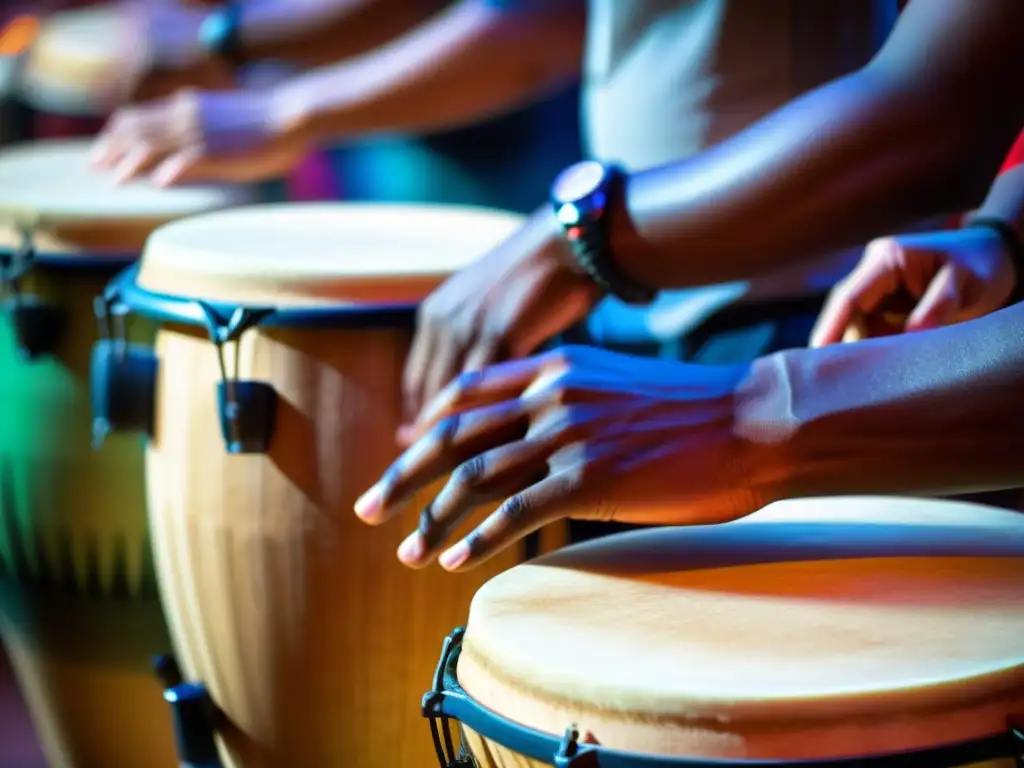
79 610
73 65
87 61
285 332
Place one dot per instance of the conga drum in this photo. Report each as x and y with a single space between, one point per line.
858 632
284 332
79 607
83 63
76 61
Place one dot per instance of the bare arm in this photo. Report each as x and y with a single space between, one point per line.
934 412
468 63
317 32
920 130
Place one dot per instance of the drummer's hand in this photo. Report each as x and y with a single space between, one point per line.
235 136
577 432
949 276
504 306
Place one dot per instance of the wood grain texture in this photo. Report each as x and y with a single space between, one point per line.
313 639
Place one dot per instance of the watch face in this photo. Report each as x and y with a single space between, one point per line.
577 182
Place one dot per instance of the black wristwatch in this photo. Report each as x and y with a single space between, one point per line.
220 33
582 196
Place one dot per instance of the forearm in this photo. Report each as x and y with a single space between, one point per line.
316 32
936 412
913 134
467 64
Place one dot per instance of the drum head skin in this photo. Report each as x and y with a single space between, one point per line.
49 186
52 182
319 253
817 628
74 60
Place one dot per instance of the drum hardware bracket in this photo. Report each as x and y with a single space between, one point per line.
570 753
431 707
122 376
247 409
38 325
194 715
16 262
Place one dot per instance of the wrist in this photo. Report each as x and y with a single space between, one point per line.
552 242
766 427
589 202
1010 248
292 112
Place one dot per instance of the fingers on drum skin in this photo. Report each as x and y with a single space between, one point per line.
485 478
139 160
184 167
448 444
130 134
518 516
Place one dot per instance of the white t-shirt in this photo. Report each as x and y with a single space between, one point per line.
663 79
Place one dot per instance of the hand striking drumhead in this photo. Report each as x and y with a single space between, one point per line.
52 182
49 188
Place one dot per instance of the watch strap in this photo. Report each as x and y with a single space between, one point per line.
590 247
1014 247
590 242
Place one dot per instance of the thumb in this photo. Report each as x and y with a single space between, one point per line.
940 303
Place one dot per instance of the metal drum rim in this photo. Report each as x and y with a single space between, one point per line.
125 294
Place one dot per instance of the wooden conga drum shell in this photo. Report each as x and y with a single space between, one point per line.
796 636
79 605
310 635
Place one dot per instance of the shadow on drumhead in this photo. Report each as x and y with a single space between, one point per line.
692 548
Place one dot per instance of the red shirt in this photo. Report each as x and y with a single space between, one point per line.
1016 156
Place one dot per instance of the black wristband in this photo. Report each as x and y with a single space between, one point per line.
592 253
1014 247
